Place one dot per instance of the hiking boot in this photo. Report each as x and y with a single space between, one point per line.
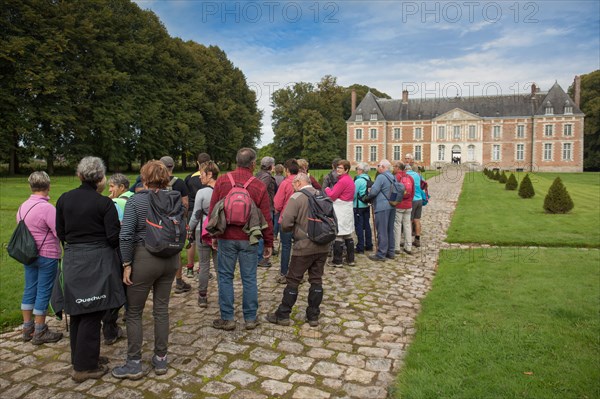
110 341
282 279
330 263
182 287
417 242
28 333
132 369
407 251
202 301
376 258
251 324
265 263
81 376
397 251
160 366
313 323
190 272
272 318
45 336
227 325
390 257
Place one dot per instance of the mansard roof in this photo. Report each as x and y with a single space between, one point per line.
484 106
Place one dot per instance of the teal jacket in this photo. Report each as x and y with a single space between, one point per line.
360 183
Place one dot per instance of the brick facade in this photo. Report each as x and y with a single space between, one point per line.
539 132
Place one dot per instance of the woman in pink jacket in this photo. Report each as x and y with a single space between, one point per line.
342 195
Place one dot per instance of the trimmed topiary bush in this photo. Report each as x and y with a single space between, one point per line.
502 179
485 171
526 188
511 183
558 199
496 175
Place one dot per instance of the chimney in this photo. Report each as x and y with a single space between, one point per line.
353 101
404 96
577 93
534 90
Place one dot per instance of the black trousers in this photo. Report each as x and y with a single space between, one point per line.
85 340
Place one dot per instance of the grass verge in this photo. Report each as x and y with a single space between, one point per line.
487 213
500 327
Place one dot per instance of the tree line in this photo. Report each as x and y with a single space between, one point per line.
309 120
104 78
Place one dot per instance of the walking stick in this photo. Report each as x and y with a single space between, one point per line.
374 228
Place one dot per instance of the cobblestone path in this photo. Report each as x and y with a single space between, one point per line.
367 323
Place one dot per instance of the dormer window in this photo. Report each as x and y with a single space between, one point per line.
373 117
358 118
568 108
549 110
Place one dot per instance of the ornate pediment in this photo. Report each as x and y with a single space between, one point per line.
457 114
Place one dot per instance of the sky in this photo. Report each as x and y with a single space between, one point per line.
430 48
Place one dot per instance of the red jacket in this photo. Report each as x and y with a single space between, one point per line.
258 193
409 184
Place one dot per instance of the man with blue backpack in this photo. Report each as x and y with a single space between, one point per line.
385 193
417 205
362 210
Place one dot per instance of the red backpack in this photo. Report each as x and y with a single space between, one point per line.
409 185
238 203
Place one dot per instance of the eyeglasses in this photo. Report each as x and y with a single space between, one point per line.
379 166
340 167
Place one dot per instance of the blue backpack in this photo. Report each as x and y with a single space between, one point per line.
396 192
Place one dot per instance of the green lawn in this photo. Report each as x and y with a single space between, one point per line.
487 213
501 325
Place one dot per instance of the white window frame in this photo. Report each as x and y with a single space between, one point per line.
520 152
418 152
358 118
358 153
373 117
568 110
520 131
547 152
418 134
472 132
397 133
570 157
441 133
371 135
358 134
397 153
496 152
497 131
550 129
456 132
372 156
471 152
441 152
568 129
549 110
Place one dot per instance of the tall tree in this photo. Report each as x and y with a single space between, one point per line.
590 105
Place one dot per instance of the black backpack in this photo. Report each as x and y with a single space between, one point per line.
21 245
322 223
361 195
165 223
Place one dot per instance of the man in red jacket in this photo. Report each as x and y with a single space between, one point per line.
234 244
403 210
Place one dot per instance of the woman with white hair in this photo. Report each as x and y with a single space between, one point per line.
88 226
39 215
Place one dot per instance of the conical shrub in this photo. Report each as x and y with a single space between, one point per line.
558 199
496 175
502 179
526 188
511 183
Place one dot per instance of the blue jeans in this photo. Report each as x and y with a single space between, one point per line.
384 223
39 280
276 225
230 251
286 251
363 229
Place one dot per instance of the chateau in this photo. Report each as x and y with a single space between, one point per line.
538 131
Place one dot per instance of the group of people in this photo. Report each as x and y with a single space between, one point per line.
106 265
